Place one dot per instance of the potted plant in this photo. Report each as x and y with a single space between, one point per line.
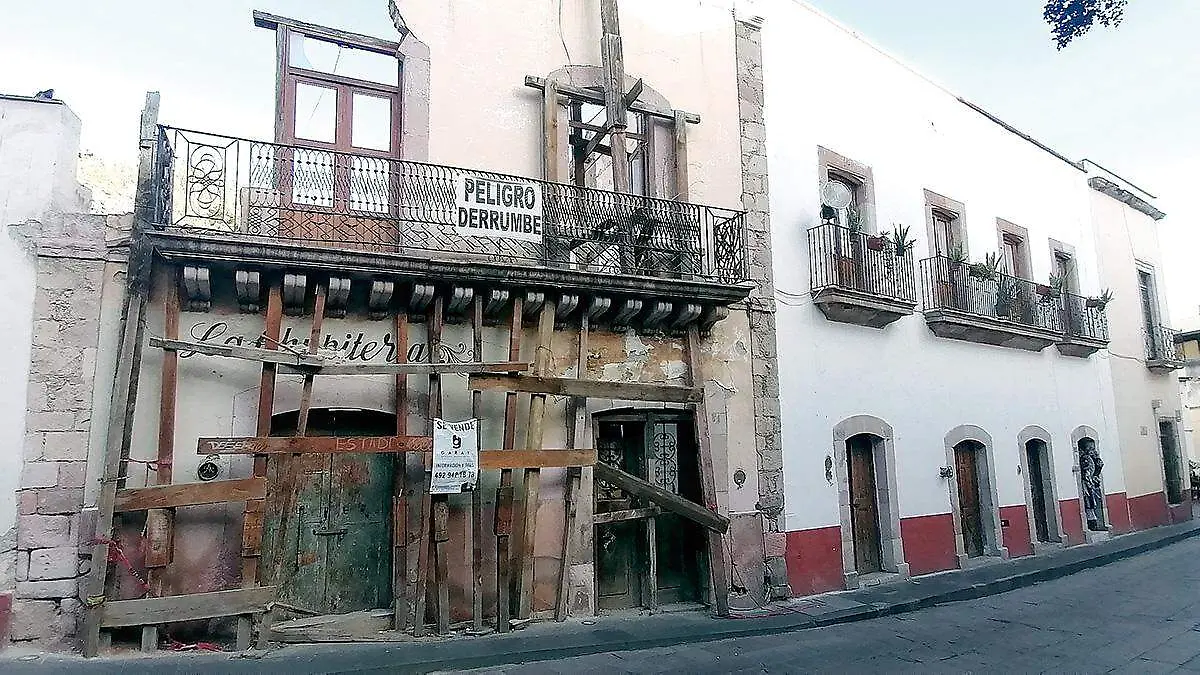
1052 290
1100 301
987 270
901 244
875 242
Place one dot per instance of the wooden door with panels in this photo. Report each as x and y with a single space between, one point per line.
966 465
660 447
337 556
864 503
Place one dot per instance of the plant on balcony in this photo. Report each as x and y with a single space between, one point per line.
900 242
1007 295
988 270
1054 289
1100 301
876 242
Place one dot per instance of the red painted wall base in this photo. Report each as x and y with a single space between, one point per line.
814 560
1118 512
1016 535
928 543
1072 521
1146 511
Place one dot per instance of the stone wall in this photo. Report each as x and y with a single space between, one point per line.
71 254
761 303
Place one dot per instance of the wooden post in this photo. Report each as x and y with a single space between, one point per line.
125 379
504 493
434 333
612 56
477 495
400 605
534 436
160 522
253 514
291 466
716 543
576 413
550 158
681 157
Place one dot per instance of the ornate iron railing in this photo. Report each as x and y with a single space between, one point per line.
845 258
947 284
1160 344
1083 318
223 186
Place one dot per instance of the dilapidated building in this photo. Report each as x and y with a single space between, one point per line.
565 240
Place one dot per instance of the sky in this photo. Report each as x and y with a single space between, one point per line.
1128 98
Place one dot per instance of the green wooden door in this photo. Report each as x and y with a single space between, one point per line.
337 554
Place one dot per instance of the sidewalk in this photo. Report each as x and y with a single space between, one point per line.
579 637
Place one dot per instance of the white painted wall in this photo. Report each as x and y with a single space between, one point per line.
39 146
826 86
1126 237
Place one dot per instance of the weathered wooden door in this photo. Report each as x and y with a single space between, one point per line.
338 557
1034 452
970 513
661 449
864 505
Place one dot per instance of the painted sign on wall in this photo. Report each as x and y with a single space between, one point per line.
497 208
455 456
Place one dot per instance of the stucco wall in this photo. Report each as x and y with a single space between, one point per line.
483 116
1124 238
826 87
39 144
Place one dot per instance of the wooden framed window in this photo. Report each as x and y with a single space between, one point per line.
591 159
858 178
945 223
1014 248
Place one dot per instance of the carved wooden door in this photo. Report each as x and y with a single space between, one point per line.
864 505
337 556
970 514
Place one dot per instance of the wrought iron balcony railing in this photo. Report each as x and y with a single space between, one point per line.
1161 346
947 284
1083 318
846 258
215 185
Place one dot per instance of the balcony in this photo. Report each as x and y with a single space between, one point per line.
1162 353
226 198
1085 325
995 309
858 278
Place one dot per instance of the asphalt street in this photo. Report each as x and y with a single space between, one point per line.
1139 615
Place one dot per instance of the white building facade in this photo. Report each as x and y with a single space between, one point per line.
939 392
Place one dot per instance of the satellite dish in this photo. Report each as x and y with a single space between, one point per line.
835 194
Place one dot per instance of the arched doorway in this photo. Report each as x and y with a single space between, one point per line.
1041 490
970 502
1091 484
864 502
865 462
336 555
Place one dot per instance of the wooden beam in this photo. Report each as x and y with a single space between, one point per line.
477 494
341 37
441 505
252 524
400 598
433 338
271 445
682 187
634 92
593 96
534 436
173 608
414 368
190 494
624 391
550 158
576 415
535 459
504 492
308 363
628 514
668 501
716 543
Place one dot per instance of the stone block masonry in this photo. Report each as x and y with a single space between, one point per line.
71 254
761 303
